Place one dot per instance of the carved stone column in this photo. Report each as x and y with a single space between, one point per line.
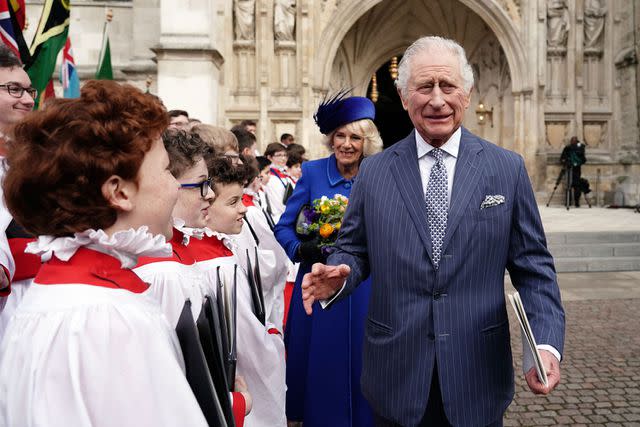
189 63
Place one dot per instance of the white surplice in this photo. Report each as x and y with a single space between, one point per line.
260 354
77 354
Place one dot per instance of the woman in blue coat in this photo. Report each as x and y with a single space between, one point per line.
329 341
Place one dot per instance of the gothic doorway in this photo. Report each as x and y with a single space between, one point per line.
384 32
391 119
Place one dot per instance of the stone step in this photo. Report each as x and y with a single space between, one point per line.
578 264
596 237
595 250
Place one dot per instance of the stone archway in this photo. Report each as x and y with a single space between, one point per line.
378 35
489 11
386 28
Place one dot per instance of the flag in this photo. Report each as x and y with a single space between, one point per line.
19 11
68 73
6 28
104 71
49 39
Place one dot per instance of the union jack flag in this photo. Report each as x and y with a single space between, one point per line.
68 73
6 28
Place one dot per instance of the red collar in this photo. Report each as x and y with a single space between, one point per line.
181 253
208 248
27 265
278 173
247 200
90 267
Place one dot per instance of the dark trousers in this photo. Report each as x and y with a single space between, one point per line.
434 415
576 174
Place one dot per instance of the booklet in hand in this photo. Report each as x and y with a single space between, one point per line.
528 337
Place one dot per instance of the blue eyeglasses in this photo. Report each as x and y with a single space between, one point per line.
203 186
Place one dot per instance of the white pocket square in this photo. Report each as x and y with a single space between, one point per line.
491 201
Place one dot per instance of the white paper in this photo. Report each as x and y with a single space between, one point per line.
527 336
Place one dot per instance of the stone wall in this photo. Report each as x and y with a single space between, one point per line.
550 69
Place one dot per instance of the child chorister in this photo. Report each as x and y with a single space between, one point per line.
279 187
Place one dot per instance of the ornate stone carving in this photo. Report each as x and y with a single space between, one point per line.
557 26
244 14
557 134
512 7
595 12
595 133
284 20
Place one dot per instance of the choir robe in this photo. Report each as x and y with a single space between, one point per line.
260 349
274 263
6 260
17 265
176 279
26 267
275 190
86 347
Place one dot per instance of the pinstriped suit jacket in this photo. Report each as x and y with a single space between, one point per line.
456 315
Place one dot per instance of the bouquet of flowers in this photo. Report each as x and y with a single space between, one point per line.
322 219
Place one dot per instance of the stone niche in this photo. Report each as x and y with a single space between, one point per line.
557 134
595 134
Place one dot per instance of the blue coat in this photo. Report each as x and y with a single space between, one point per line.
324 351
454 316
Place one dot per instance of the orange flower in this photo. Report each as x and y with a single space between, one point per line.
326 230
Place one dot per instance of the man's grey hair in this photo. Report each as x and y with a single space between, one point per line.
432 44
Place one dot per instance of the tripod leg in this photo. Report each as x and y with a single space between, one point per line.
551 197
567 199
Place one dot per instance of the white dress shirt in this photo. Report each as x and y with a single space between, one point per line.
426 162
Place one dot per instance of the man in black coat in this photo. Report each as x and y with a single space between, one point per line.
573 158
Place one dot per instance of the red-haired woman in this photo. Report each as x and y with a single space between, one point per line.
90 177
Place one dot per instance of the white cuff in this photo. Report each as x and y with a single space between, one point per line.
324 303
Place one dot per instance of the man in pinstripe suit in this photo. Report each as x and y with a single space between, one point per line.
436 219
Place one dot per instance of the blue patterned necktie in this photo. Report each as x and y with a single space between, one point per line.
437 203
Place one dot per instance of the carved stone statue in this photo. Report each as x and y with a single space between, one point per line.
557 24
284 19
594 15
244 12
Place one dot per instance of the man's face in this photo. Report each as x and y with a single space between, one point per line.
290 140
179 122
435 98
14 109
250 128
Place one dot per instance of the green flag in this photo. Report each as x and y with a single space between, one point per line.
104 71
49 39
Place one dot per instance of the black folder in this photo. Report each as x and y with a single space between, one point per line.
197 371
210 337
257 298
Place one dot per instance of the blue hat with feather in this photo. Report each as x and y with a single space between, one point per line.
338 110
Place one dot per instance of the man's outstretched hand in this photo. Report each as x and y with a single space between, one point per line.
322 282
552 366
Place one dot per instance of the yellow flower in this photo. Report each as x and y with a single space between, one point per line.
324 209
326 230
338 225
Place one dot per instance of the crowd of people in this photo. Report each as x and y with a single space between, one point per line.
153 272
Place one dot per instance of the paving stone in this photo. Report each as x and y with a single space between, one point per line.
600 382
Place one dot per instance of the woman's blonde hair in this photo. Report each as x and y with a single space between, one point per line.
220 139
365 128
